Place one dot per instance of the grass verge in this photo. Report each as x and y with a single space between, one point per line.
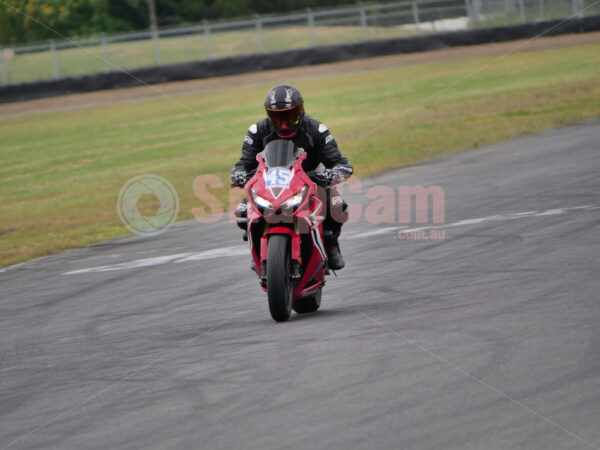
136 54
61 173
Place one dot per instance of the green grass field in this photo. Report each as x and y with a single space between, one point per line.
61 173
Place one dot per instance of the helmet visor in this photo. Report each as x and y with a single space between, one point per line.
285 118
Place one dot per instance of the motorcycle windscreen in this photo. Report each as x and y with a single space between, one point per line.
280 153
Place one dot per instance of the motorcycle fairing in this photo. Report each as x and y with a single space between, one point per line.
305 217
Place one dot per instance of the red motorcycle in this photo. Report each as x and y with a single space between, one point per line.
285 230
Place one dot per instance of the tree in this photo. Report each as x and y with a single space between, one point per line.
20 19
36 20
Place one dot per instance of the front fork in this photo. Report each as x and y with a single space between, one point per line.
295 251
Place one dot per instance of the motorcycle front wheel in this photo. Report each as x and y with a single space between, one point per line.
279 284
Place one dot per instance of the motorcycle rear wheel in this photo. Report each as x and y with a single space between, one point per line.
279 284
308 304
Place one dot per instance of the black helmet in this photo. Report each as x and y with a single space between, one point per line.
285 108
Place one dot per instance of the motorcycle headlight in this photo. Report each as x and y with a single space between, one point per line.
294 201
260 201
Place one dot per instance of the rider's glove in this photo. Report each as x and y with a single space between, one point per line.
239 177
338 174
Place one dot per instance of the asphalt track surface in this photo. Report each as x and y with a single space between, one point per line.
486 339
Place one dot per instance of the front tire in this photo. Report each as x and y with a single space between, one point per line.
279 285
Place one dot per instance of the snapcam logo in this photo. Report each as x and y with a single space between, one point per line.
148 205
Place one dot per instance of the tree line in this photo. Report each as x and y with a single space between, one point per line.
38 20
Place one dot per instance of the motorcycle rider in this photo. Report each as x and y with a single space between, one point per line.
286 119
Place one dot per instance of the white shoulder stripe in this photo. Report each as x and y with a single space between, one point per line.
322 128
253 128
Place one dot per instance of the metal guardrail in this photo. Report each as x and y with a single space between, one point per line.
260 34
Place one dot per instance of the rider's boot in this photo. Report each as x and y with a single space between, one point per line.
332 247
295 271
241 218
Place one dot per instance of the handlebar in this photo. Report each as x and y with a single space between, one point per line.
317 177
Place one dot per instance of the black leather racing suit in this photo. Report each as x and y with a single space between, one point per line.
317 142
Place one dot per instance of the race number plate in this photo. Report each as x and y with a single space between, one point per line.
278 177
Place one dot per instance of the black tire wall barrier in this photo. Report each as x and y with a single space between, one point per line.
291 58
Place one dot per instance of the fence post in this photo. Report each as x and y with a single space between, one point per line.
576 8
469 12
105 52
55 68
415 11
476 5
363 21
3 62
206 26
155 41
311 26
541 9
259 34
522 11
